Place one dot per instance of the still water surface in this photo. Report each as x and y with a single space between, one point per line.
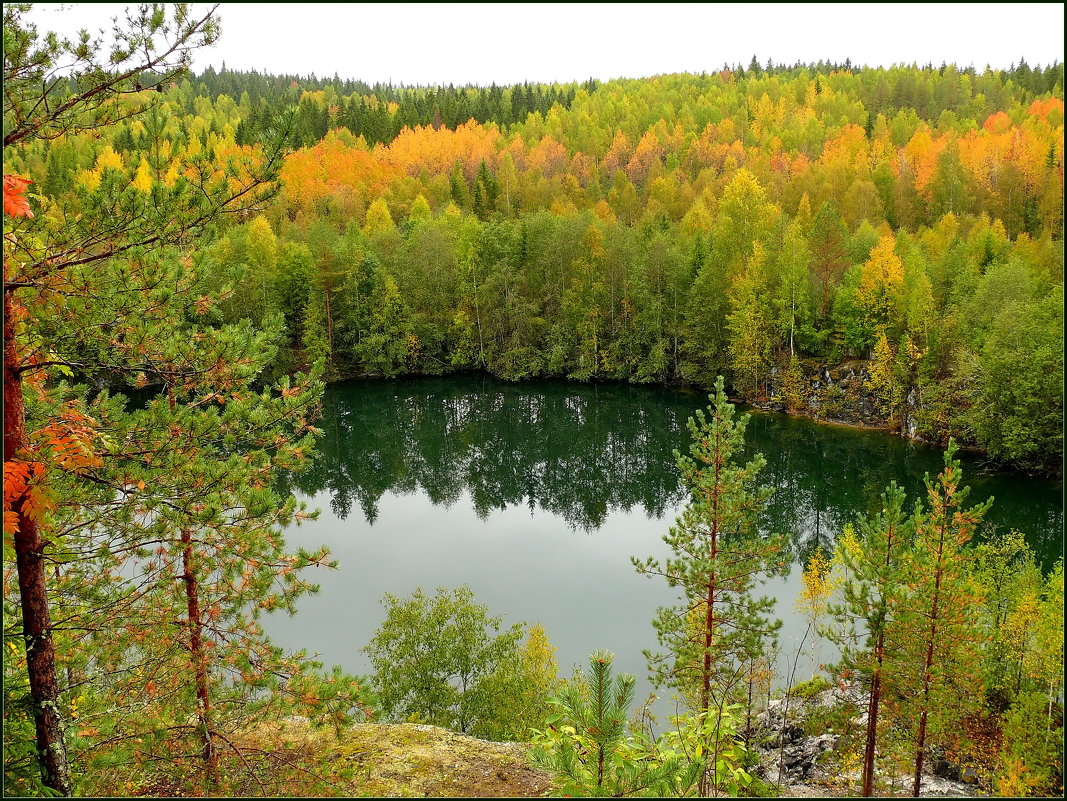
537 494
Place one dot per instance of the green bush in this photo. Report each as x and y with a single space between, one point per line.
591 753
444 660
811 687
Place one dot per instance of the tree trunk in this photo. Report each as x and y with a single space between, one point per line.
792 321
927 677
29 559
876 690
921 741
478 316
872 719
199 657
329 322
709 617
709 627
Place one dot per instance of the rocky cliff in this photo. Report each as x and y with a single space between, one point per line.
843 393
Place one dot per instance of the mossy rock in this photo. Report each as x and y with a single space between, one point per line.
415 760
811 687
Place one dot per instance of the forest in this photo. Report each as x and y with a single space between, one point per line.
189 259
757 223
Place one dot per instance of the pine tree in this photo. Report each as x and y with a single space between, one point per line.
829 239
52 259
586 745
719 557
198 562
940 615
111 295
871 562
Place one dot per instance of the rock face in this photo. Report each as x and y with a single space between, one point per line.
789 755
411 760
840 394
796 761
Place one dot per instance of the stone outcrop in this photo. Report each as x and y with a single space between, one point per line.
802 765
838 394
414 760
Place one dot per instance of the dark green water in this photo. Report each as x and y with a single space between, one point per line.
537 494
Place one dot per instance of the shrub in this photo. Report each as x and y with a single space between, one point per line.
811 687
444 660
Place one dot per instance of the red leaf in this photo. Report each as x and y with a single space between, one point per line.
15 202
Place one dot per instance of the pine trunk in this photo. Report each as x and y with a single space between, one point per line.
709 627
927 673
199 658
329 323
876 691
32 578
872 719
709 616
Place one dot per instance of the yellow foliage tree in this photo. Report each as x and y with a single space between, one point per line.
420 209
749 329
379 220
109 159
882 381
697 221
881 282
143 178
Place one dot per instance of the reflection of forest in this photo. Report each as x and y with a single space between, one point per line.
581 451
577 452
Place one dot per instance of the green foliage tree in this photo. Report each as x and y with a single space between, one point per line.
1031 756
444 660
1011 582
205 511
829 239
1020 405
749 328
101 266
917 177
527 684
938 617
793 290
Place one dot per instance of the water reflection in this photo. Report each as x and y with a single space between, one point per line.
574 454
581 452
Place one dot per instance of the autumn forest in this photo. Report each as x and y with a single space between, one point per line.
189 259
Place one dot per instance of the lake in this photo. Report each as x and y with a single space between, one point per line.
537 494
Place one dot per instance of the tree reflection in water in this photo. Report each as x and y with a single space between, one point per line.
580 451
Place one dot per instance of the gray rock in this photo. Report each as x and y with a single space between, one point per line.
826 742
792 734
936 787
946 770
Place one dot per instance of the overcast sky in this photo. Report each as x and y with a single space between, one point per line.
509 43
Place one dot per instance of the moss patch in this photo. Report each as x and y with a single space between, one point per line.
414 760
811 687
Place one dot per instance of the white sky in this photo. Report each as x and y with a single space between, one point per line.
509 43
